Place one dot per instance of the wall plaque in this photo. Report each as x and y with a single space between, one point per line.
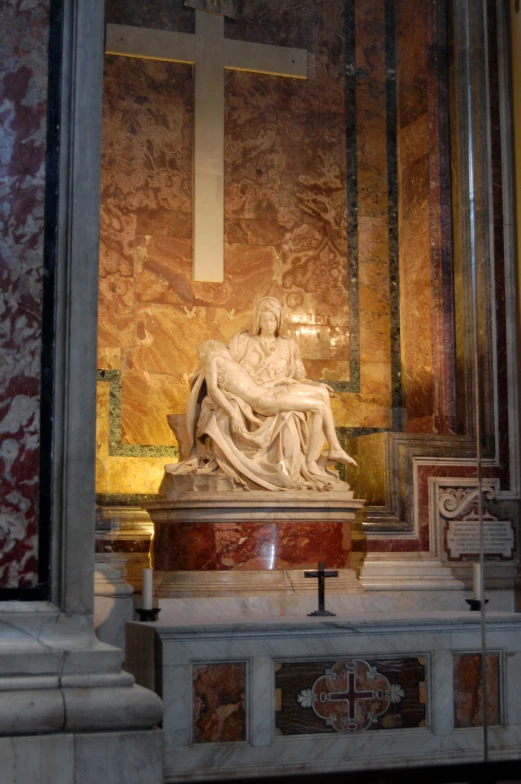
463 537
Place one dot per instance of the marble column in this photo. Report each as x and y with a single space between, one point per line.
515 29
67 710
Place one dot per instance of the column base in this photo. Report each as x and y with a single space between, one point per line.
85 758
57 677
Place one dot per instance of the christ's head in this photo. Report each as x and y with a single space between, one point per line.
211 346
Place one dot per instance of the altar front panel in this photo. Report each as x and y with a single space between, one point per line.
356 693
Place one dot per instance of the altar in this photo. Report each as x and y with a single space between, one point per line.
295 695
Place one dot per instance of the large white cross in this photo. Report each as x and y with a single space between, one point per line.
211 53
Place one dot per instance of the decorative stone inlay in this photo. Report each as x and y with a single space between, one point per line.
351 695
219 702
468 689
116 447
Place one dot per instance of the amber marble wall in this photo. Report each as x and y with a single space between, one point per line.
313 205
424 225
373 210
413 183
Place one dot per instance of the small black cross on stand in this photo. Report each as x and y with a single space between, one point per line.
321 574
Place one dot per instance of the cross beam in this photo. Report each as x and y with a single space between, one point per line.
212 54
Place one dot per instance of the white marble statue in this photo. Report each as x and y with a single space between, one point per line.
254 416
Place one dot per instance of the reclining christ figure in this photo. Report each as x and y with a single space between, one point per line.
227 381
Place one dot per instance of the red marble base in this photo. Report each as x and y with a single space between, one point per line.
268 545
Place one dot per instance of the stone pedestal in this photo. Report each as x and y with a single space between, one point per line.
243 543
83 758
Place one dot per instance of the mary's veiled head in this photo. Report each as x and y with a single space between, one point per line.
270 305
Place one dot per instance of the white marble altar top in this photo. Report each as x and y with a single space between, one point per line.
303 506
293 499
373 623
287 498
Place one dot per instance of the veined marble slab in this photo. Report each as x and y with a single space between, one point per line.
288 602
200 683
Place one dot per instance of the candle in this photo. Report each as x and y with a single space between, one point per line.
477 586
147 589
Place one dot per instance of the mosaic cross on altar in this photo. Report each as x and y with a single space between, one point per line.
352 695
212 54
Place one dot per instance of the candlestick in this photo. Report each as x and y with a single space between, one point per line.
147 589
148 616
477 586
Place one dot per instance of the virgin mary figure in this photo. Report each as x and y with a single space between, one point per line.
279 452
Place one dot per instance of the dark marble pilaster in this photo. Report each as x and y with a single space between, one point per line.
23 109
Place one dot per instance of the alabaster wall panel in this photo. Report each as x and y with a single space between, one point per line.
147 399
414 217
372 219
121 474
146 188
23 108
285 219
312 207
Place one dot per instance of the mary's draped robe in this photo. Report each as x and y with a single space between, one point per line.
270 452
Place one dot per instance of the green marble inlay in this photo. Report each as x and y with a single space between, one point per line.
116 448
124 499
353 385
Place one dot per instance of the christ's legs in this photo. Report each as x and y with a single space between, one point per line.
316 442
315 400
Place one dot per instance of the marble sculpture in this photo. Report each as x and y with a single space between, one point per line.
255 417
